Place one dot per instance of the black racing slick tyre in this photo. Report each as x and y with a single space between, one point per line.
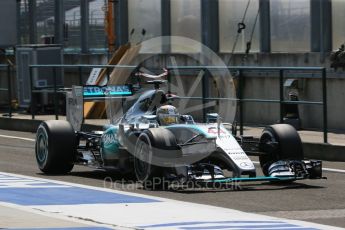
279 142
55 147
149 144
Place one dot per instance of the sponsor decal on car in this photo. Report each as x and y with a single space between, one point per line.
109 139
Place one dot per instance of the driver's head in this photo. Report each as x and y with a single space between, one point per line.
167 115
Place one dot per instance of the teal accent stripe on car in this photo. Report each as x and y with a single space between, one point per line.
244 179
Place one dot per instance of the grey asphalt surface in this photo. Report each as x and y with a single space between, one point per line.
318 201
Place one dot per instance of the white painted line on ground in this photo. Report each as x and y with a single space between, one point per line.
166 214
308 214
323 169
19 138
334 170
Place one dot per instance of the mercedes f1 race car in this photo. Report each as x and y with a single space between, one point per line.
152 140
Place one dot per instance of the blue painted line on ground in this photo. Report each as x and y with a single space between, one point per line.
275 226
24 191
65 196
239 225
34 183
210 222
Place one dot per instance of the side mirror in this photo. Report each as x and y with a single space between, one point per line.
212 117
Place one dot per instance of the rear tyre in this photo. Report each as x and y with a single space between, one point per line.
288 147
55 147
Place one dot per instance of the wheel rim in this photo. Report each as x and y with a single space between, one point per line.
142 164
268 137
42 147
266 160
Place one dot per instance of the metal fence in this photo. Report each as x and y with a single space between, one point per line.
241 77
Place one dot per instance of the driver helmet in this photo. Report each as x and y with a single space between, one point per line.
167 115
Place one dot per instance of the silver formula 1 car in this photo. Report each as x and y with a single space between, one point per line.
152 140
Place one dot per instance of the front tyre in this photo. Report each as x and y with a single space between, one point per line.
55 147
288 145
143 156
144 170
155 149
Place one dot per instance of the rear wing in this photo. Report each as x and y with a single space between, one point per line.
75 99
105 92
